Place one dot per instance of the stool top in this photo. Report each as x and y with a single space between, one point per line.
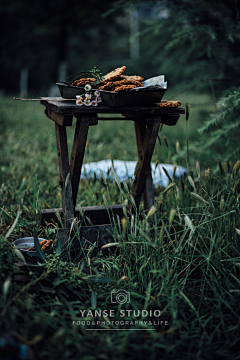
64 106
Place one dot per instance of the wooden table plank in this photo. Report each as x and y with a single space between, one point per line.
61 119
97 214
63 106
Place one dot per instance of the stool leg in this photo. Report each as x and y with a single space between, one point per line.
146 139
64 169
78 150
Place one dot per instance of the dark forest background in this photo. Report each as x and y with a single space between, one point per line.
188 41
195 44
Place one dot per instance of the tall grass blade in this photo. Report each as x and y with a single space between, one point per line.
6 286
161 235
59 248
191 182
166 172
93 299
59 218
19 255
13 225
103 177
124 226
188 222
198 197
106 246
151 212
171 217
198 169
38 247
169 187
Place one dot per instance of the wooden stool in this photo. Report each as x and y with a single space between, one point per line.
147 121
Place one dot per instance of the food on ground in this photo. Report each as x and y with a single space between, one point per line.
47 245
114 81
44 245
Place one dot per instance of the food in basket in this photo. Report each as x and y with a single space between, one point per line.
83 82
44 245
115 73
131 77
114 81
124 87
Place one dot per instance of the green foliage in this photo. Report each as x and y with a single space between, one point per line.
219 133
6 257
186 264
228 109
188 269
225 125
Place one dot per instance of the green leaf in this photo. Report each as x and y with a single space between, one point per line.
97 279
13 225
6 286
93 300
188 302
168 188
19 255
82 265
58 281
38 247
9 256
148 293
198 197
109 245
166 172
91 249
59 248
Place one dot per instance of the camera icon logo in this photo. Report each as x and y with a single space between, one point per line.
120 297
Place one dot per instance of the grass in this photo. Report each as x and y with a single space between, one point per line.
186 265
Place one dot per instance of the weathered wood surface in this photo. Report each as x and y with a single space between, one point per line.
149 199
78 150
64 170
60 105
146 139
93 118
89 235
97 214
60 119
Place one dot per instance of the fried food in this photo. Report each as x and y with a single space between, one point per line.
47 245
107 86
124 88
83 82
115 73
112 85
131 77
128 82
169 103
114 81
44 245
